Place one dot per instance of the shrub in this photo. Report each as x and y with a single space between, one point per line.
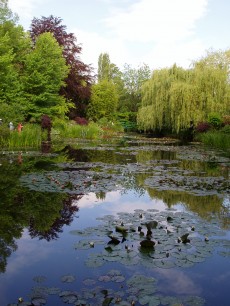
81 121
226 120
225 129
216 139
203 127
215 120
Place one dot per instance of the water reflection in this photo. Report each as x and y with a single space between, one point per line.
45 215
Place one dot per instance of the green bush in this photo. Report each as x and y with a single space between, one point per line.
218 139
30 137
225 130
70 129
215 120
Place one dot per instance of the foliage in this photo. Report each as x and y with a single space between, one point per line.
174 97
6 13
215 120
64 129
10 85
218 139
225 129
202 127
44 74
81 121
30 137
226 119
127 120
103 102
107 70
79 79
109 127
133 80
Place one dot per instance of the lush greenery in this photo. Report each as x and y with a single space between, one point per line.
41 74
175 97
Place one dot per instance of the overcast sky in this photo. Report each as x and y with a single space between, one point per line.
156 32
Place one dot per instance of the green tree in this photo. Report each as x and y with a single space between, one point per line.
133 80
103 101
10 86
6 13
44 74
175 97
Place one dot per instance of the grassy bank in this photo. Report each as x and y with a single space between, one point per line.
218 139
31 136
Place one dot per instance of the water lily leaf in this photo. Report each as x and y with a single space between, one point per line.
89 282
121 229
53 290
38 301
149 300
107 301
147 243
194 301
39 279
165 264
68 278
194 258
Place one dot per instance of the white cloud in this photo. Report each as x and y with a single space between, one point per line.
157 21
25 8
94 43
159 33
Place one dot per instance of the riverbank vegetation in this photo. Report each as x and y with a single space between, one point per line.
42 74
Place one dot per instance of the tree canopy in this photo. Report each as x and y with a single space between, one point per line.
174 97
103 101
79 79
44 74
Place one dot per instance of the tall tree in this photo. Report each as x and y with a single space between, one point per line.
103 102
133 80
44 74
5 12
14 45
174 97
79 79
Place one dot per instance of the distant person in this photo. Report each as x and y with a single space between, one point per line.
0 121
11 126
20 126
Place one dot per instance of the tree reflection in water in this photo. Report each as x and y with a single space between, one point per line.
67 214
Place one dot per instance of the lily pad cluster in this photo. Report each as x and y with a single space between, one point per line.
161 174
192 184
153 239
135 290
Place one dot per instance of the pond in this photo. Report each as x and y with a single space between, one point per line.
124 221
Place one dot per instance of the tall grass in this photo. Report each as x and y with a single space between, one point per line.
30 137
217 139
63 129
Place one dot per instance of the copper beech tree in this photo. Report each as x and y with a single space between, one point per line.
79 79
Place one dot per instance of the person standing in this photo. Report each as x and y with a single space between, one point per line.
11 126
20 126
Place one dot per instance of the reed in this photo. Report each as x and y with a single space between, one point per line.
29 137
73 130
217 139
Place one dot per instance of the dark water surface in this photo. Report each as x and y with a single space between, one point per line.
72 220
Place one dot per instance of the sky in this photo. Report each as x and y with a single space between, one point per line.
158 33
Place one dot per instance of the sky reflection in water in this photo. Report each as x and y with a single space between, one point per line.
56 258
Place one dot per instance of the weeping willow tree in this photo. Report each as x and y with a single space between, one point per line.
155 112
212 78
175 97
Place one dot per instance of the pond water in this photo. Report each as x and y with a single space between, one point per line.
127 221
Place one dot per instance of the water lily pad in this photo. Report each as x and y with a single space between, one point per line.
39 279
68 278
